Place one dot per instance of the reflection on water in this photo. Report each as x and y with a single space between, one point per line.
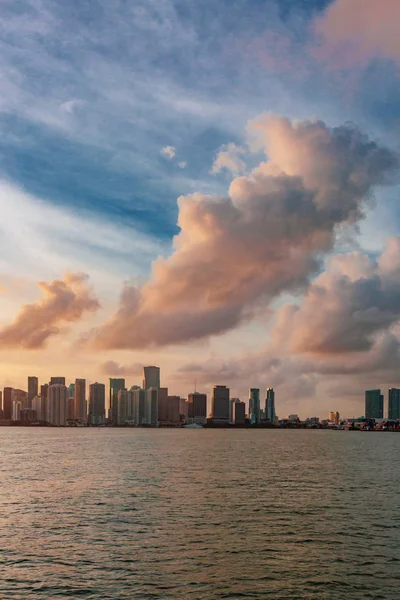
199 514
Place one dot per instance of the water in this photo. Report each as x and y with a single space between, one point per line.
198 514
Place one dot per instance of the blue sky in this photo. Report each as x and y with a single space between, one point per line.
92 91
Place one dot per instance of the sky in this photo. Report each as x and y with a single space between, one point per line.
208 187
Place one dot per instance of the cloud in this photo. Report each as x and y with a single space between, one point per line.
182 164
71 105
355 31
235 254
346 307
228 158
169 152
65 301
115 369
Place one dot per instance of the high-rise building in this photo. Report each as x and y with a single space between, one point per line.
70 407
239 412
122 401
394 404
33 389
20 396
254 405
270 414
163 405
57 380
151 378
172 416
220 403
71 390
334 417
16 410
115 386
97 404
373 404
139 402
151 407
80 399
183 408
7 403
28 415
197 408
57 400
37 407
45 404
1 404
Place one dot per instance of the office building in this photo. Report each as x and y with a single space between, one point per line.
7 403
20 396
220 404
97 404
270 413
70 406
45 405
151 378
57 381
254 405
139 402
115 386
173 410
16 410
57 403
122 401
373 404
80 399
334 417
394 404
163 405
197 408
33 389
183 409
37 407
71 390
239 412
151 407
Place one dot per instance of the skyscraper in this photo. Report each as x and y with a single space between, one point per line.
197 408
7 403
57 399
115 386
254 405
239 412
57 380
220 404
80 399
45 404
163 405
122 401
33 389
270 405
37 407
97 404
151 407
394 404
373 404
151 378
139 401
16 410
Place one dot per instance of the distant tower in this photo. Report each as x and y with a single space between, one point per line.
33 389
197 408
7 403
115 386
151 378
80 399
373 404
97 404
57 380
254 405
394 404
270 413
220 403
57 400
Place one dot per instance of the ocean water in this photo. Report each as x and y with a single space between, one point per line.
198 514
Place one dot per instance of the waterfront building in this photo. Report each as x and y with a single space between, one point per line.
71 390
139 401
16 410
37 407
197 408
70 406
151 407
97 404
7 403
334 417
151 377
239 412
254 405
220 404
45 405
373 404
115 386
57 402
183 408
33 389
270 413
122 400
28 415
57 380
80 399
394 404
163 405
20 396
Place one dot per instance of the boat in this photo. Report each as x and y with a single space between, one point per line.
193 426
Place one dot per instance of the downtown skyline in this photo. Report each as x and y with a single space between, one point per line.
220 201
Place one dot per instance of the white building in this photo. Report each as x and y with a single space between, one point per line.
16 410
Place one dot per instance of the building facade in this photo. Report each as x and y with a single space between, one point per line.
57 380
139 402
151 377
16 410
334 417
220 404
151 407
97 404
33 389
270 413
373 404
80 399
394 404
57 401
254 405
115 386
197 408
7 403
239 412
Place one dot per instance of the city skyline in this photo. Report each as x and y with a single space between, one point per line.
232 219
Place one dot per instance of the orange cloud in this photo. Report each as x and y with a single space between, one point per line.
235 254
64 301
356 31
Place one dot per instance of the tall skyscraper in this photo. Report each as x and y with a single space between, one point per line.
80 399
122 401
45 404
163 405
115 386
254 405
71 390
239 412
33 389
220 403
151 407
37 407
16 410
373 404
139 401
57 380
270 413
20 396
197 408
394 404
57 399
97 404
7 403
151 378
